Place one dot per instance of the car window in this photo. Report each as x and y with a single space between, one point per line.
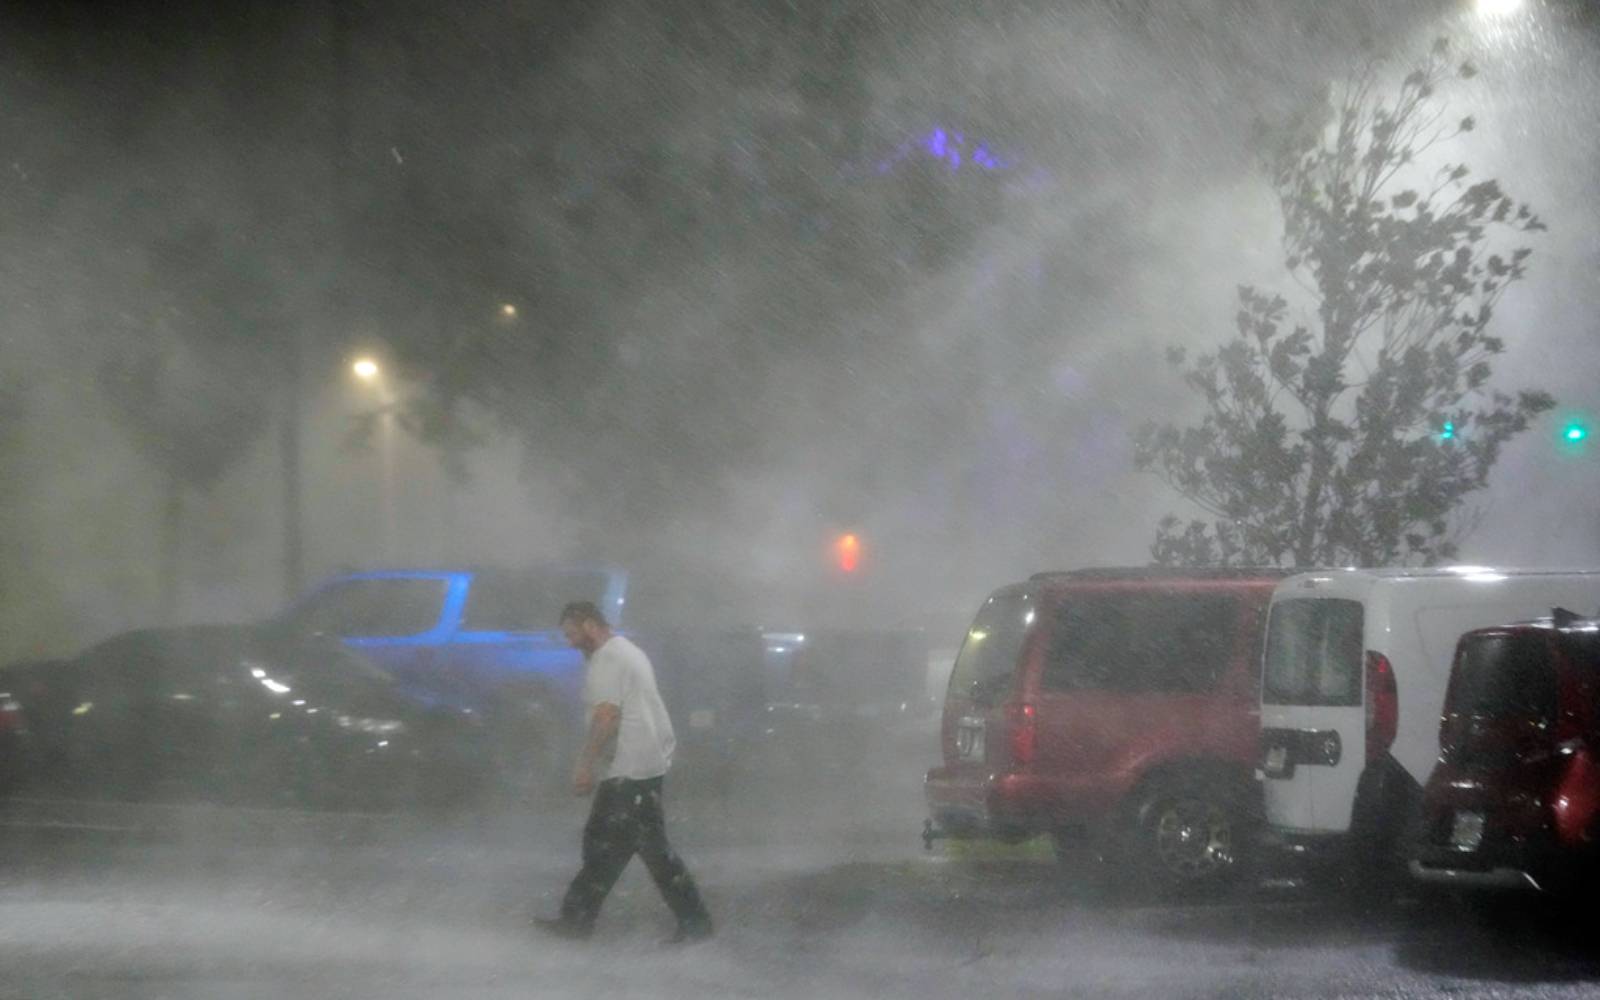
989 654
120 675
1141 642
1314 652
1504 675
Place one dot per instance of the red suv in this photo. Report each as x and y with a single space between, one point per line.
1514 801
1114 709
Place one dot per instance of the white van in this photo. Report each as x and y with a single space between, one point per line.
1354 672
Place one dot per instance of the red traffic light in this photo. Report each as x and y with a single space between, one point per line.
847 553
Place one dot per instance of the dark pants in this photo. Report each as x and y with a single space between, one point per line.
625 819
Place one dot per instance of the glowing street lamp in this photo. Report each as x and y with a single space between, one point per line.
508 311
1498 8
367 370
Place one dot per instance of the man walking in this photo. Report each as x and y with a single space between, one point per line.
623 761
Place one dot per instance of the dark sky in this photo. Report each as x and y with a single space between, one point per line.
788 269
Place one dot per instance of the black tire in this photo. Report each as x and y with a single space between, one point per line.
1186 837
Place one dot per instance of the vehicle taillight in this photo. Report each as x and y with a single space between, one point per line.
10 714
1383 705
1022 722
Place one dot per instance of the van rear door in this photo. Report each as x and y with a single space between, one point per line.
1313 724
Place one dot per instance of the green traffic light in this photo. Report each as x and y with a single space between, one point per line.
1575 432
1448 431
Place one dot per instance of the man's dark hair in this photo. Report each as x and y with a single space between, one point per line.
582 611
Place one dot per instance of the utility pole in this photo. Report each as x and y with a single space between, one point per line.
300 345
289 450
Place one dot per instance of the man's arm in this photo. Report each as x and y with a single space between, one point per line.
603 726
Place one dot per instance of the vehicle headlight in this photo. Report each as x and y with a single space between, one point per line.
376 727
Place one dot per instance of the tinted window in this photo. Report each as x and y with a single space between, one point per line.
122 674
1314 653
132 654
1141 642
528 602
1504 675
194 664
989 654
373 607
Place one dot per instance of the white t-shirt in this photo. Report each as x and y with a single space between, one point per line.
620 674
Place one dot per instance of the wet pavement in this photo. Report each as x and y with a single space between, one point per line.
828 893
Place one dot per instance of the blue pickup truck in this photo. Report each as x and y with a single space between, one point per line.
486 641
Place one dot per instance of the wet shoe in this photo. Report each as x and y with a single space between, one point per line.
558 928
690 933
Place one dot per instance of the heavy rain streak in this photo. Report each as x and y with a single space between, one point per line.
712 498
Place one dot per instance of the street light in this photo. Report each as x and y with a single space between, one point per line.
1498 8
508 311
368 371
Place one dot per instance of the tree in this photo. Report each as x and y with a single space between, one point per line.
1356 435
670 247
190 423
185 379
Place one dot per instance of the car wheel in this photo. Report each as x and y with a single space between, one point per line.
1186 837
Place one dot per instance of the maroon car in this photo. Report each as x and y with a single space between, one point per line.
1113 709
1514 801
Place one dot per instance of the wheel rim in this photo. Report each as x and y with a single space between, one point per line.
1193 838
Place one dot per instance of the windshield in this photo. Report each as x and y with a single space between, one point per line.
1314 653
989 655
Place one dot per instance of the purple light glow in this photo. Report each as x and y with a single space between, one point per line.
950 147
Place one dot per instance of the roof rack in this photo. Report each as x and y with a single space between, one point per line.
1162 572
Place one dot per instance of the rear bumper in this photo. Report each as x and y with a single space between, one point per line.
1474 878
966 804
1535 863
1517 844
989 806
